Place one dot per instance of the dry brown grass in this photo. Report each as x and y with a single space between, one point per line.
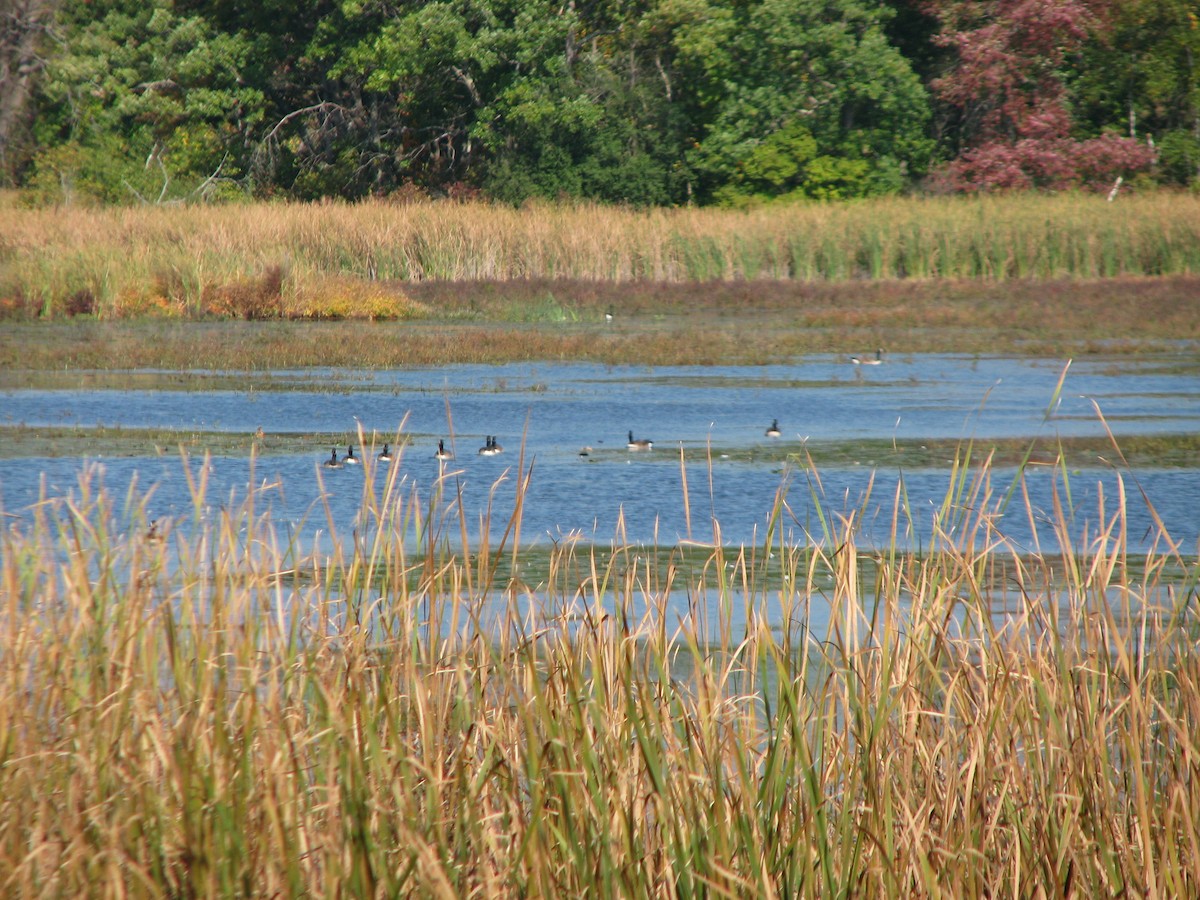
188 256
203 709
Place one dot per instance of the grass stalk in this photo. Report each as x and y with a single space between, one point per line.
206 707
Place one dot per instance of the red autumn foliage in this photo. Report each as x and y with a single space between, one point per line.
1009 91
1046 164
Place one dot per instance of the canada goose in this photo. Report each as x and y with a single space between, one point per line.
774 431
332 462
385 455
490 447
867 361
350 459
442 452
608 316
639 444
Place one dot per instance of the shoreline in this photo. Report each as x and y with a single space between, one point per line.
734 323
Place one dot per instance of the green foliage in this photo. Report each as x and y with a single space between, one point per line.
831 178
662 102
1142 76
780 160
651 105
1179 157
814 80
141 103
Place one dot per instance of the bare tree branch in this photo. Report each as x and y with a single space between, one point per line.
324 106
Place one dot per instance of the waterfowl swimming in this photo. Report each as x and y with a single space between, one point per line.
774 431
867 361
585 451
385 455
490 447
350 459
332 462
639 444
442 452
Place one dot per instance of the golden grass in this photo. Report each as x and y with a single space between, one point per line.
208 709
179 257
685 324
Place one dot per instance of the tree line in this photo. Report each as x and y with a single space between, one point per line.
646 102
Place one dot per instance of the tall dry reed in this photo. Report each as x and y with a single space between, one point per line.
215 709
131 260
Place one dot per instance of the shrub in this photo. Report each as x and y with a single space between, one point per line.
348 298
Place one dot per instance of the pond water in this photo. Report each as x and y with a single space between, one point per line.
555 409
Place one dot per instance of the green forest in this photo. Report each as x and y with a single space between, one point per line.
643 102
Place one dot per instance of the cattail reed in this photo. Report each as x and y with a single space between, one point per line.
214 706
336 260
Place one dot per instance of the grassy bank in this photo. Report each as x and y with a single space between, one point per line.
206 709
685 324
335 260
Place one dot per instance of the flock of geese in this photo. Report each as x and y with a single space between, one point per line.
492 448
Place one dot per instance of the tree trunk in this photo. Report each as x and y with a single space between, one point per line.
23 24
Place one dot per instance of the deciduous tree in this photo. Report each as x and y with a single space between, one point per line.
140 103
25 26
1009 86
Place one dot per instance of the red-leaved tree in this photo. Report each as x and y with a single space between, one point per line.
1009 90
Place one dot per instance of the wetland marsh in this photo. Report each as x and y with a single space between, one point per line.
670 662
864 428
745 658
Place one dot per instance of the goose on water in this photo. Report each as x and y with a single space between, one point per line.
867 361
490 447
641 444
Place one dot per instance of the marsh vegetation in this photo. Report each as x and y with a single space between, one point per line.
990 693
360 260
211 709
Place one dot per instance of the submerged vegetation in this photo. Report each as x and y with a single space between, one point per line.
205 706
